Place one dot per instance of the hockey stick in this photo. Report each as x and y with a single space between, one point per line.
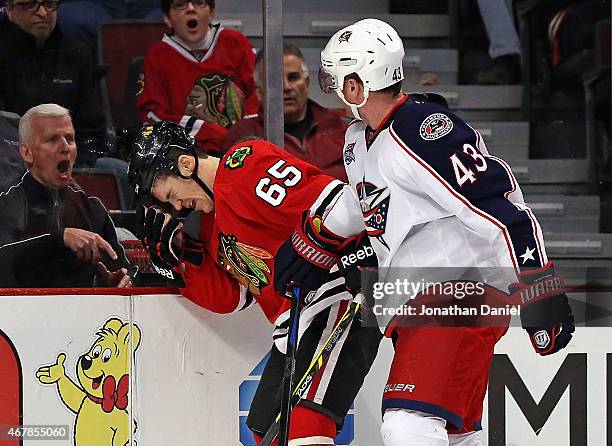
289 374
317 362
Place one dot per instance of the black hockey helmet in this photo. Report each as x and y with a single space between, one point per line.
157 148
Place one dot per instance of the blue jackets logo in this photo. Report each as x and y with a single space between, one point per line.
246 392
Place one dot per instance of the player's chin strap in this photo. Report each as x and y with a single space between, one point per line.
204 187
354 107
194 176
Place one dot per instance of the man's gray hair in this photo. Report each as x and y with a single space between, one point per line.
289 49
25 123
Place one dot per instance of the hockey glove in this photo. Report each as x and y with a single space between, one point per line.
359 255
164 238
307 256
545 311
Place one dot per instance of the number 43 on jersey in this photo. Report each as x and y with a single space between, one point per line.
463 173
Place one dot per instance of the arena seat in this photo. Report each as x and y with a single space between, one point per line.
119 42
103 184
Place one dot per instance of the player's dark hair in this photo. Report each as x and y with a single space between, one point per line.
393 90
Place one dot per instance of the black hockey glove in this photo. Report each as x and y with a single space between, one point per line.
307 256
545 311
360 254
159 231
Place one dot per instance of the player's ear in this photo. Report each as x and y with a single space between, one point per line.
26 153
351 90
186 164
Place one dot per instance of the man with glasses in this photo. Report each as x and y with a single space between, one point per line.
39 65
200 75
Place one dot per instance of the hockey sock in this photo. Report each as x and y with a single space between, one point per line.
310 427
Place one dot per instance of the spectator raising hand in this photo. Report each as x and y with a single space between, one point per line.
52 234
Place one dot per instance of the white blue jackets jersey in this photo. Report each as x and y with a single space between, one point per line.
431 195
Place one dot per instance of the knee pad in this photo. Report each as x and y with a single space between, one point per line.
408 427
468 439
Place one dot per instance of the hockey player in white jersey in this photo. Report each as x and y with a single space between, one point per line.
428 194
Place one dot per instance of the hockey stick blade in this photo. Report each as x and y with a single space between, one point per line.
319 359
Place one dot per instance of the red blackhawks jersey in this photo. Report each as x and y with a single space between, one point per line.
186 86
260 193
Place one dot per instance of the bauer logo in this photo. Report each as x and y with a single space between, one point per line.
246 392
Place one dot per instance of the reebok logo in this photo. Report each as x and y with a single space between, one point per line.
163 272
353 258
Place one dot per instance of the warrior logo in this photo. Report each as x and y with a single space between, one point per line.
374 207
215 99
246 263
345 36
541 338
349 154
236 159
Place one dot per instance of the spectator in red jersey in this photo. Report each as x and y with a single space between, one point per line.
200 75
312 132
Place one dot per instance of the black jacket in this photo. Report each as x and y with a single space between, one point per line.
61 72
32 222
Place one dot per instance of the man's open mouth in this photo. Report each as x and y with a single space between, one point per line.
97 381
63 167
192 23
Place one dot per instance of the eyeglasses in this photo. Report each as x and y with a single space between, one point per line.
182 4
34 5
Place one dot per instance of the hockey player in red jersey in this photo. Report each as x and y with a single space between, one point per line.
258 192
200 75
430 197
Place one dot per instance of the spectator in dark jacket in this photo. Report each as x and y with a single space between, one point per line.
38 65
11 163
51 234
312 132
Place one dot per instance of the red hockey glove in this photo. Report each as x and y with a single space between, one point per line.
545 311
307 256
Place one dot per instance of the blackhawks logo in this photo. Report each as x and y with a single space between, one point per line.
235 160
246 263
216 99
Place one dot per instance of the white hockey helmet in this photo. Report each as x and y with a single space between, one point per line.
370 48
